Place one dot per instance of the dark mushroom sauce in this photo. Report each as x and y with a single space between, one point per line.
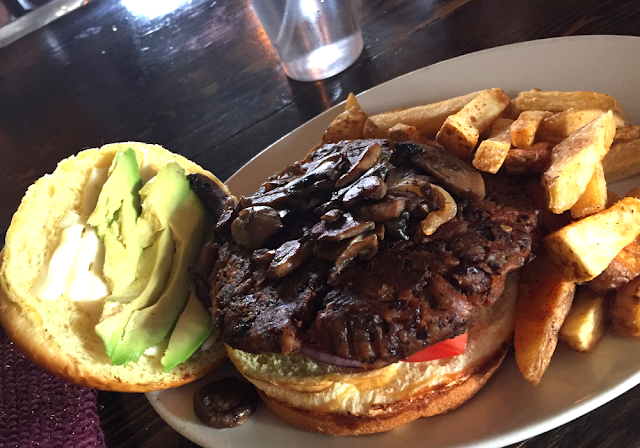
341 251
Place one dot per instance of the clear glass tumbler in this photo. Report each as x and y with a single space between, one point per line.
314 39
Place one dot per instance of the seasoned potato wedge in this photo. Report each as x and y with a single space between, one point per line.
594 198
352 101
627 133
612 198
622 161
349 125
633 193
523 130
574 160
560 101
403 133
560 125
491 153
427 119
544 299
624 309
460 131
550 221
585 323
511 111
584 248
533 159
623 268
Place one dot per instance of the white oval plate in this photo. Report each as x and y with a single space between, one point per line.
508 409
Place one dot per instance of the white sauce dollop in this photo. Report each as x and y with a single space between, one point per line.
52 281
208 343
75 268
152 351
84 280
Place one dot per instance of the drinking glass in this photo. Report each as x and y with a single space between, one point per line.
314 39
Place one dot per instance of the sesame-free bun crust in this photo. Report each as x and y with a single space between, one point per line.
328 399
433 401
59 335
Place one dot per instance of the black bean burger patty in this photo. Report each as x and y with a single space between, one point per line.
337 257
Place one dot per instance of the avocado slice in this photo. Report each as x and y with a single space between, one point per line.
161 196
193 328
115 218
147 327
153 270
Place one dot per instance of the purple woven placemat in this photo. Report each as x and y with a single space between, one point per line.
40 410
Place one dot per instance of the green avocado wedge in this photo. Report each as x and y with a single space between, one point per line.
147 327
161 196
153 270
193 328
115 216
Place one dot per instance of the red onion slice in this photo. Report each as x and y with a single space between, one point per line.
317 353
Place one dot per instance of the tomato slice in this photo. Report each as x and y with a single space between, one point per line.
441 350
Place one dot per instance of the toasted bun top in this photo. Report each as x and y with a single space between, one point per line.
59 334
305 384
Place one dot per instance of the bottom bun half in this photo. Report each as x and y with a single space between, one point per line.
59 335
329 399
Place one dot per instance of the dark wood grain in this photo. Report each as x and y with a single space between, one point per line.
204 81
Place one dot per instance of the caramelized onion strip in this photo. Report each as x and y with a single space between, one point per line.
445 214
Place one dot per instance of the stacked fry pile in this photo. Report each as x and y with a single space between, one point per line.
565 146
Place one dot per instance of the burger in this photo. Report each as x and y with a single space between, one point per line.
369 284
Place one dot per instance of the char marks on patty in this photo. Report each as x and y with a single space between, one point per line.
350 269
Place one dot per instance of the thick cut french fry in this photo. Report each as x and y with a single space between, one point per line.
560 101
584 325
626 265
349 125
584 248
533 159
560 125
623 268
550 221
523 130
403 133
460 131
352 101
624 309
491 153
544 299
427 119
612 198
594 198
622 161
633 193
627 133
500 129
511 111
574 160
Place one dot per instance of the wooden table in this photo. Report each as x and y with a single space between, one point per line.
203 80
